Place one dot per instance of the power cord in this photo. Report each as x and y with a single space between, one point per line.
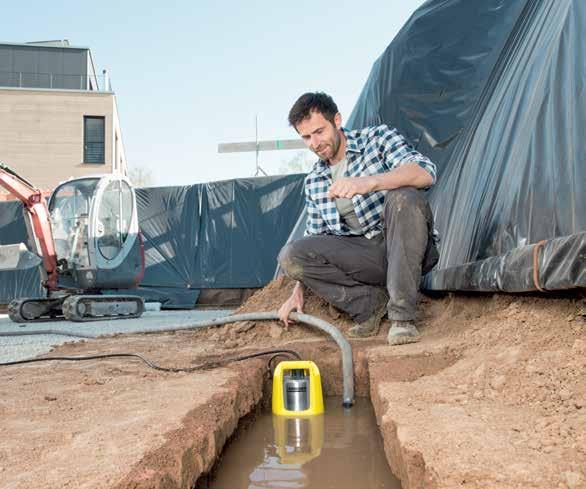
203 366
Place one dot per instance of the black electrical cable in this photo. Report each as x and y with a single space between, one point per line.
203 366
277 355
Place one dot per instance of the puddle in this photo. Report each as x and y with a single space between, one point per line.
338 450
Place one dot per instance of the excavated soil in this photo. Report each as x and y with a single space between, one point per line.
493 396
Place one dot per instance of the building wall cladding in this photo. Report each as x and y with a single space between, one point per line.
43 67
41 133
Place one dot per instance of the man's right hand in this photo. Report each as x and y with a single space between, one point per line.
294 303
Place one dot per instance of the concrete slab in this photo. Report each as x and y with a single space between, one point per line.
22 347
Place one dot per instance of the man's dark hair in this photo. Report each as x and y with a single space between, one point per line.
312 102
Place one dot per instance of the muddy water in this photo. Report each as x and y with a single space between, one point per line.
341 449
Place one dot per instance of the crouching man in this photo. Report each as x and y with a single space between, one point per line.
369 234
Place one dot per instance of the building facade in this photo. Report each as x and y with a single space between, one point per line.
58 118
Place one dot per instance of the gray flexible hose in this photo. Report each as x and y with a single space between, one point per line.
347 364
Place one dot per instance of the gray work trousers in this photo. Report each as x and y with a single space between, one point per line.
351 272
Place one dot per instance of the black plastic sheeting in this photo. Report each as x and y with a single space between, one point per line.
493 91
216 235
22 283
205 236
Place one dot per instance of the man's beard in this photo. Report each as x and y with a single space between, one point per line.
334 144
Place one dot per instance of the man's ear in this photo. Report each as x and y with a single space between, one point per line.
338 120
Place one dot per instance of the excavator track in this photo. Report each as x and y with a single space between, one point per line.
35 310
83 308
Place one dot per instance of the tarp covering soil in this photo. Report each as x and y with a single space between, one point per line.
493 92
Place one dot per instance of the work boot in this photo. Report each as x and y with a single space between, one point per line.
403 332
371 326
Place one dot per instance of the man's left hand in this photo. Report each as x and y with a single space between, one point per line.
346 188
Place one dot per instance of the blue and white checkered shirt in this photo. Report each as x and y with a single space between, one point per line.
369 151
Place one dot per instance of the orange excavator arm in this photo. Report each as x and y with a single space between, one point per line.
34 202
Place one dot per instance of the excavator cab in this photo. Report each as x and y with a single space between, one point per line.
95 229
89 244
69 209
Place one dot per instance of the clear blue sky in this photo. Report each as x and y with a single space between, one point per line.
191 74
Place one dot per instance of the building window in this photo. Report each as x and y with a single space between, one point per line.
94 135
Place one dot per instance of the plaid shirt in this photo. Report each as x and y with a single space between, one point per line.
369 151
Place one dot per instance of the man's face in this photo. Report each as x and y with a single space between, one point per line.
320 135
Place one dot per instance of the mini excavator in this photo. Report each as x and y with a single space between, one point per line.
85 241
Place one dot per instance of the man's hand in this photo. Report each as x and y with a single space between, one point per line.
348 187
295 302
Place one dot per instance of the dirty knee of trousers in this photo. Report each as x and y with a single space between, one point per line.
402 198
290 265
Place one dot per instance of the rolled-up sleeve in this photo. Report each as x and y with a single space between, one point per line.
397 151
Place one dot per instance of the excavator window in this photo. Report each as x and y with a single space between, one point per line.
70 208
114 217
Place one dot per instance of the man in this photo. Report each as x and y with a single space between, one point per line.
369 226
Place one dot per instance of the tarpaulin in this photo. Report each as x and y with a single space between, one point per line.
493 91
205 236
21 283
215 235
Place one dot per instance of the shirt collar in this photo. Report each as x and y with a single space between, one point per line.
352 146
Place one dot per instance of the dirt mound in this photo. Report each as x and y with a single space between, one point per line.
271 333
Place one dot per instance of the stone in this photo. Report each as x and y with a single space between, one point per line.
565 394
275 331
244 327
572 479
229 344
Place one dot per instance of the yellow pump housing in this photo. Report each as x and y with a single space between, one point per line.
292 371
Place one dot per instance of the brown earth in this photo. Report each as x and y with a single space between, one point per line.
493 396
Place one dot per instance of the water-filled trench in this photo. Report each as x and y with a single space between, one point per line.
340 449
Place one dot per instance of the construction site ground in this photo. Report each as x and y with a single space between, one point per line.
494 396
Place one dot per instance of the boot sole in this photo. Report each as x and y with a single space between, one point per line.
403 340
361 337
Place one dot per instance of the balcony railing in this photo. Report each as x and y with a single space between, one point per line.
22 79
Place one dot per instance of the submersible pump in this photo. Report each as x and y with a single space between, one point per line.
297 389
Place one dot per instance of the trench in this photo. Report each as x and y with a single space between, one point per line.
340 449
343 448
